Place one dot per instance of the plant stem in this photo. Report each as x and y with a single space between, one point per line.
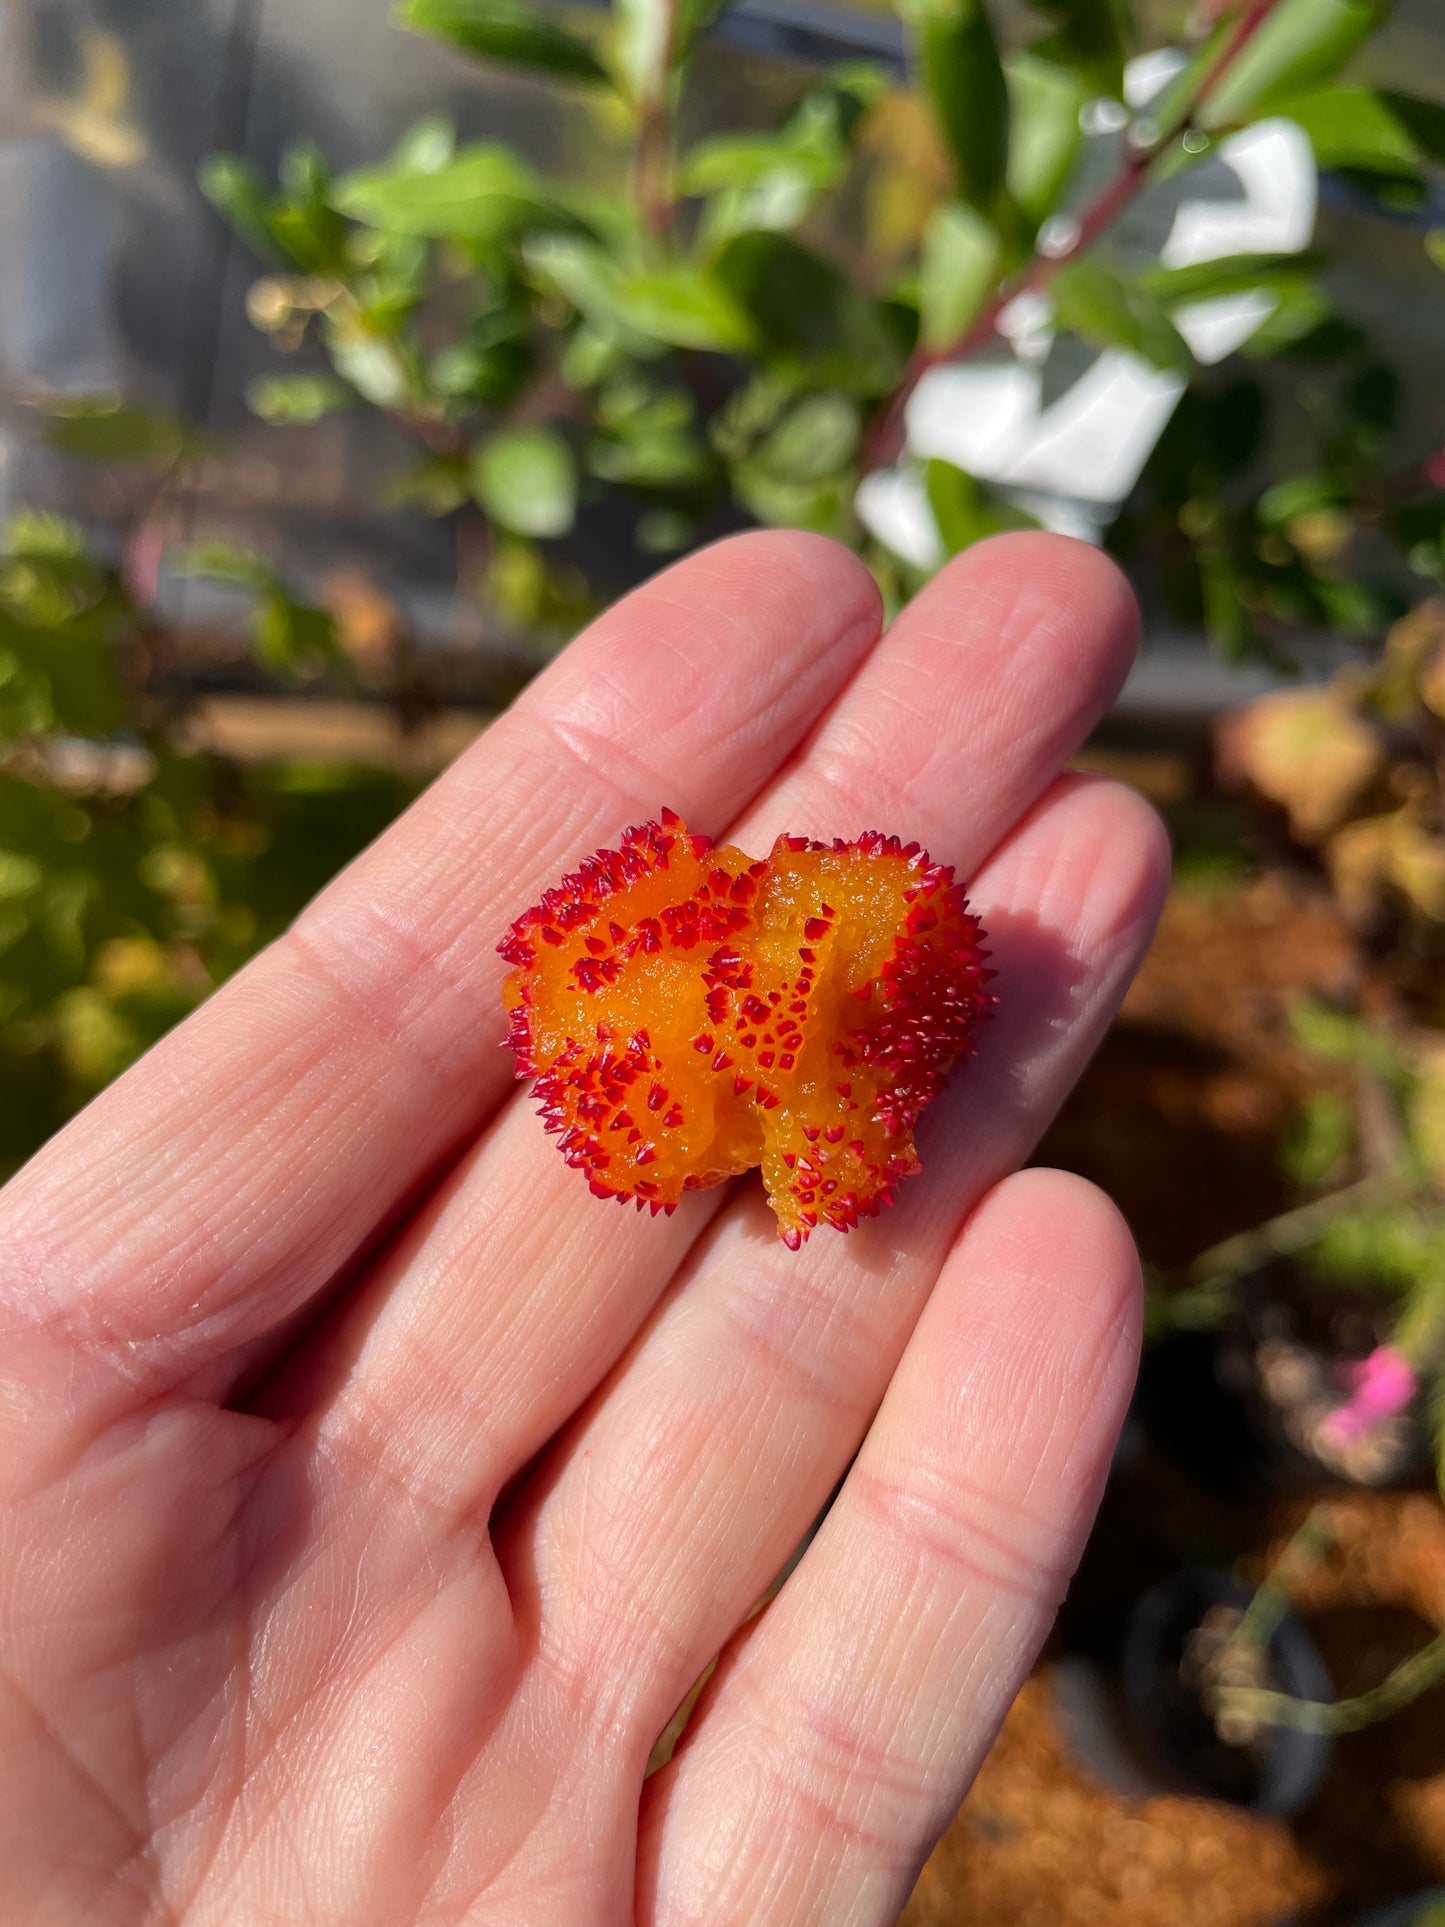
652 152
884 441
1403 1684
1261 1617
1291 1230
650 168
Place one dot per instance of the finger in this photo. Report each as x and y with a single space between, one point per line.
1015 648
231 1172
835 1744
665 1513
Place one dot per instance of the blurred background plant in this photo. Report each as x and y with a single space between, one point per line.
136 871
687 340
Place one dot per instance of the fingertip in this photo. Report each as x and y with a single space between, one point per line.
808 580
1092 855
1057 1230
1079 573
1035 1324
1066 596
1125 834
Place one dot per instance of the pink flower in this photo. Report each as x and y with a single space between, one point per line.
1379 1387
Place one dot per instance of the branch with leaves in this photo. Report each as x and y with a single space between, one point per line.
675 334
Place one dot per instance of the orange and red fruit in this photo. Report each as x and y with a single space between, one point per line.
688 1012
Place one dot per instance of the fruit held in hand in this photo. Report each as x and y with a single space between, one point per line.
689 1012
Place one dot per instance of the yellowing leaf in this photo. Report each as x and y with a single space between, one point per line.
1413 667
1417 865
1379 854
94 121
1358 861
127 964
1306 750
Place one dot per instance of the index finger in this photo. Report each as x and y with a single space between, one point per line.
234 1170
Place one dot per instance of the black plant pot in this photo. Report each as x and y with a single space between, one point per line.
1142 1729
1409 1912
1414 1910
1282 1771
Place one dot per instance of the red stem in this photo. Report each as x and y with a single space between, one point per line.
884 441
650 160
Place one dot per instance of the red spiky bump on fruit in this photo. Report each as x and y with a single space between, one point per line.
688 1012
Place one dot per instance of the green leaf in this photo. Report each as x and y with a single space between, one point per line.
958 61
964 510
1435 247
435 485
224 562
685 307
293 639
1318 1150
373 367
771 181
653 40
811 316
580 271
290 638
302 221
1354 127
295 401
1344 1038
104 429
1423 121
479 195
665 531
781 504
1381 1252
1299 45
1301 495
508 30
1230 274
642 47
681 306
490 367
1045 102
814 141
1226 619
1092 37
816 439
667 459
526 480
1302 311
38 535
426 146
694 17
1102 307
957 273
305 174
239 194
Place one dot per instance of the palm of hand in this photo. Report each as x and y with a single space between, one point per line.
370 1497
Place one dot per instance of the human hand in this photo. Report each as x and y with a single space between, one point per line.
370 1496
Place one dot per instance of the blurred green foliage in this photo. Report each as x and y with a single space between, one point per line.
134 874
679 337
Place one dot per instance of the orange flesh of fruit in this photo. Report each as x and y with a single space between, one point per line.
688 1012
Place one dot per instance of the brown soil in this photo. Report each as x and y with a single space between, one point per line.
1039 1844
1180 1115
1180 1119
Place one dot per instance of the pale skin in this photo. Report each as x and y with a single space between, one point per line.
370 1495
